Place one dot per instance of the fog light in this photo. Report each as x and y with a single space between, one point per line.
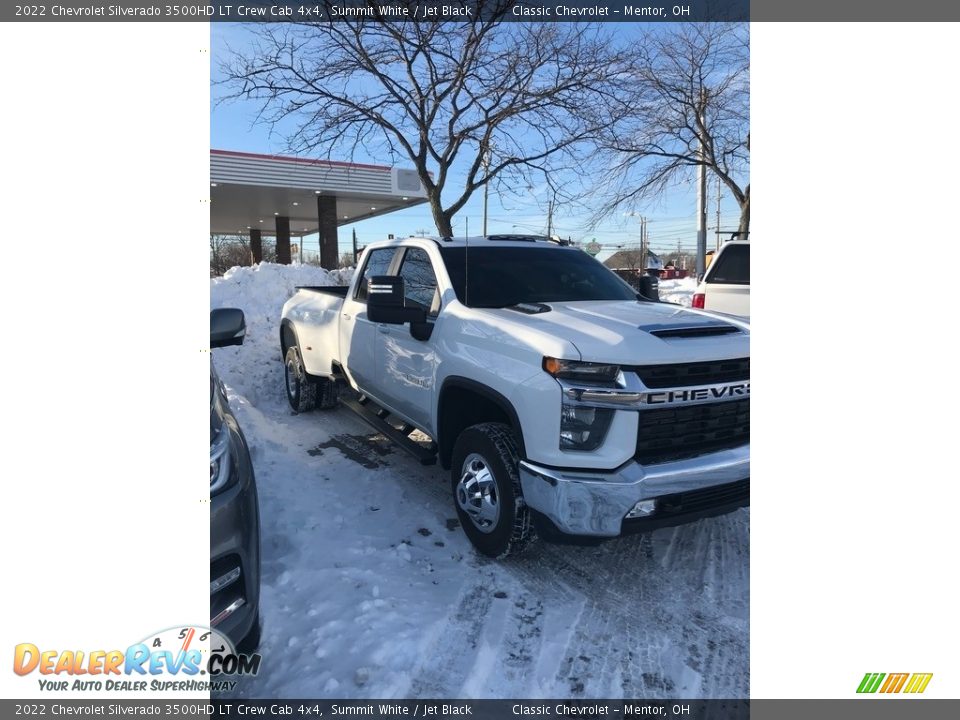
642 509
583 428
221 582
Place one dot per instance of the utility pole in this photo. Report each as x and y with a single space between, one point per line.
643 243
718 214
702 194
550 218
354 247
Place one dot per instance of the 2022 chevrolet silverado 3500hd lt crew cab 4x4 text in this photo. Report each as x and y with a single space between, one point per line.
563 403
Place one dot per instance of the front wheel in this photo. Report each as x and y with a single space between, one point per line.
486 490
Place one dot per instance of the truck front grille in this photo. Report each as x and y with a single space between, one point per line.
690 374
684 432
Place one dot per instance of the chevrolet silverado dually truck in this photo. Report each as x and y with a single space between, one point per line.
563 402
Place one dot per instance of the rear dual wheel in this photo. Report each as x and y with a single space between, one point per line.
306 392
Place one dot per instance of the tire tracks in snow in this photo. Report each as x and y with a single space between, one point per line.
656 615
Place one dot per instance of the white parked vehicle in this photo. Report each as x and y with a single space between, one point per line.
725 287
563 402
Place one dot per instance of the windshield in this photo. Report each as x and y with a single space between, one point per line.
504 276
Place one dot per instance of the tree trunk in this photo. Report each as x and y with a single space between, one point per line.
744 228
441 219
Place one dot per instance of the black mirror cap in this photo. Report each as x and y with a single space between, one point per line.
227 327
386 304
384 291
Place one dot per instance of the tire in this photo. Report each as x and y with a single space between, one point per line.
301 388
328 394
487 496
306 392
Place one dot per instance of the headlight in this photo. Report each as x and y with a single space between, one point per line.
583 428
221 460
576 370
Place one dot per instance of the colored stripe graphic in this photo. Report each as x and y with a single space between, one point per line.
870 682
894 682
915 683
918 682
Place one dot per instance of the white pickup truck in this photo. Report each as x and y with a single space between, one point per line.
564 403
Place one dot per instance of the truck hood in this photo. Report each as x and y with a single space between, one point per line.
638 333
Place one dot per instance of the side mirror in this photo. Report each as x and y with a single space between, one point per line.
385 302
650 288
227 327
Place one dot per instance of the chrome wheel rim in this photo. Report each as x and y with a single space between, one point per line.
477 493
291 373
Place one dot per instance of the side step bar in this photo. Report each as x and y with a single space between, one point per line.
377 419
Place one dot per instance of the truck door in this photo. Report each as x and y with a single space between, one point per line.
357 345
408 364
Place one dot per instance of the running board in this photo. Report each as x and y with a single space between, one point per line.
375 417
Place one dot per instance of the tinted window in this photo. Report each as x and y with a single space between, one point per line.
732 267
504 276
377 264
419 280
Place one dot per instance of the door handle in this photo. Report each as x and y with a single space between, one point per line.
383 327
346 316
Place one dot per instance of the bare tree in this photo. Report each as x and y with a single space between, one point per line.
227 251
627 259
690 91
484 100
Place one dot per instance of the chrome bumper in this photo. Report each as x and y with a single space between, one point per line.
581 502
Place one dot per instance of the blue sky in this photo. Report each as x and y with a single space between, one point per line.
670 219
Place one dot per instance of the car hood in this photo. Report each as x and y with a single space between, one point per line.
638 333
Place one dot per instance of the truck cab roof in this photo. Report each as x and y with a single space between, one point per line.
500 240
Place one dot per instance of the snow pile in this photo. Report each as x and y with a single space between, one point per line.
259 286
260 291
678 291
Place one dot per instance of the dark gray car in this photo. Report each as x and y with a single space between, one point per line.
234 513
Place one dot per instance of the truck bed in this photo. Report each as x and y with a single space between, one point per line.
338 290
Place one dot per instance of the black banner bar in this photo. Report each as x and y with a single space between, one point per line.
872 708
465 10
393 10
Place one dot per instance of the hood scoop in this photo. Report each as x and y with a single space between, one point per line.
698 330
530 308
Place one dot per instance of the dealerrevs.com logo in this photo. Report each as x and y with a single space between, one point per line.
894 683
181 659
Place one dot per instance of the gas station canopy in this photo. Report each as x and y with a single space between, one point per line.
250 191
286 197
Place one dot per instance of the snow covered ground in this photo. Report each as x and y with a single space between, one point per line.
678 291
371 590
